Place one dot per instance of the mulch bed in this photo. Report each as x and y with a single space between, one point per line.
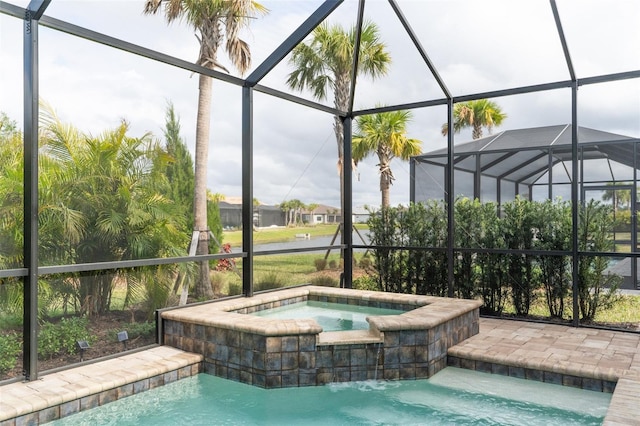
101 328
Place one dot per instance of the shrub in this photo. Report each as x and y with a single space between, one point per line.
217 282
427 227
325 281
269 281
366 263
622 220
55 339
492 279
384 231
518 227
554 233
134 330
9 351
469 220
421 265
10 320
235 289
366 282
333 264
596 288
321 264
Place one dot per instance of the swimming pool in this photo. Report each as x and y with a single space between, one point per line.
451 397
329 316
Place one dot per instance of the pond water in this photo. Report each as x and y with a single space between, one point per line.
300 243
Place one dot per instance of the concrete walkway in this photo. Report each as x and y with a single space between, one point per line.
580 357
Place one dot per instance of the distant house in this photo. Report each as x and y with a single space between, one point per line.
321 214
230 214
263 215
360 216
328 214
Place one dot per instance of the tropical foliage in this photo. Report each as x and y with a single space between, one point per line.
385 135
325 63
477 115
621 198
101 198
217 23
293 211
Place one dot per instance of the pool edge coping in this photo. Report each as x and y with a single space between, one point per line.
429 311
57 395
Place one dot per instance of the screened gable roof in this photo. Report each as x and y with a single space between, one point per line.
523 155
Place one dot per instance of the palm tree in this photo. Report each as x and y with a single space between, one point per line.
325 63
213 20
384 134
621 198
286 207
311 208
292 209
101 199
475 114
298 206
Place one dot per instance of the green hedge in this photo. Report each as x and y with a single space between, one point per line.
517 277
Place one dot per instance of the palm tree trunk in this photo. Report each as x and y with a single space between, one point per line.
341 100
384 190
386 178
477 131
338 129
203 283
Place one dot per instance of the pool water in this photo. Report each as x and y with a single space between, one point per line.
451 397
329 316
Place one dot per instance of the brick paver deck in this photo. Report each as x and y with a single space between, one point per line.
579 357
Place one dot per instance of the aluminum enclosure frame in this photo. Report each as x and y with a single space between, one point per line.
34 17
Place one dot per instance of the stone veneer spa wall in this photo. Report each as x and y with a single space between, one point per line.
273 353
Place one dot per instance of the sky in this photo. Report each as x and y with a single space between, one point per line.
476 46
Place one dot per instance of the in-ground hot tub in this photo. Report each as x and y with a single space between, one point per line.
273 353
329 316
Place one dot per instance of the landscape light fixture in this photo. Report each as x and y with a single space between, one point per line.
82 345
123 337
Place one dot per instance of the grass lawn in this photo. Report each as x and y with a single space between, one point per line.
278 235
626 309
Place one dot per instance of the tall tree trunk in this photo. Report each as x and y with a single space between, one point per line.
338 129
477 131
385 184
386 176
341 101
203 283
